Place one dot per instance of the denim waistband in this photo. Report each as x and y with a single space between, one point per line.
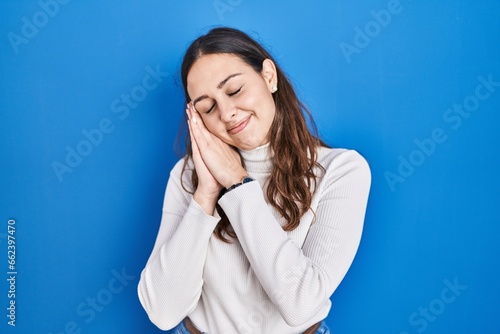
181 329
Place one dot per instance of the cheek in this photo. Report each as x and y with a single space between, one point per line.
259 100
248 101
266 107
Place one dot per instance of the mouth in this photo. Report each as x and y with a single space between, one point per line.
239 126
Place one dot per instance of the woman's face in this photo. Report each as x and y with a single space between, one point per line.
234 101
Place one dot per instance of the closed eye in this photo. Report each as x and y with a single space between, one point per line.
210 110
228 94
235 92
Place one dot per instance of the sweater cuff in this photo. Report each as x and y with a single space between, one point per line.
238 195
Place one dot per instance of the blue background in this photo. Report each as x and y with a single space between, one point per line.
436 225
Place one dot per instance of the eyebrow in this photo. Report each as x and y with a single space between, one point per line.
219 86
223 82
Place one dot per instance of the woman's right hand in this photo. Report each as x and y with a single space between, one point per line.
208 190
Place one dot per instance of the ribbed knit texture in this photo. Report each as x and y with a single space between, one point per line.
269 280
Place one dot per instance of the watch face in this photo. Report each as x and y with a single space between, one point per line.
247 179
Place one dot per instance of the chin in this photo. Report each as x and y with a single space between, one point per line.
250 145
245 147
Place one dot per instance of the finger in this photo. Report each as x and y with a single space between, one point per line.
189 108
194 145
195 132
198 120
202 136
190 112
192 121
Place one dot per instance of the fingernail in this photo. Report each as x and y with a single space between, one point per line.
193 119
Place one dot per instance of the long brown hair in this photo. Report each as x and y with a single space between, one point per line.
293 180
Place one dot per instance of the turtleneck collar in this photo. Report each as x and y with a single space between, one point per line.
258 160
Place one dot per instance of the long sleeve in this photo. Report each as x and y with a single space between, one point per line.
299 280
171 283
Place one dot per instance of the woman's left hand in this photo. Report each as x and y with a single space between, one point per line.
221 159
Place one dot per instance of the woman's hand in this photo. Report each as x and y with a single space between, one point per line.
217 164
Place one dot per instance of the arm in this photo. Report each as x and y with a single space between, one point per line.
170 284
299 281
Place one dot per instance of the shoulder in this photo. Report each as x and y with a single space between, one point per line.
182 164
182 170
340 162
340 156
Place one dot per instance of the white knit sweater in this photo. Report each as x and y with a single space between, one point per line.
269 280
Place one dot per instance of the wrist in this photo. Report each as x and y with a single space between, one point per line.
235 179
245 179
207 203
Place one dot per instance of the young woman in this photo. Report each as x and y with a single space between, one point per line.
261 220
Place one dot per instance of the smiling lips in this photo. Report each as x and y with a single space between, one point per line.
239 126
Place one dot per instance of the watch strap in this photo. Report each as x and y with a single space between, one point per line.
246 179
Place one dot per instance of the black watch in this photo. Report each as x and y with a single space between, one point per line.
246 179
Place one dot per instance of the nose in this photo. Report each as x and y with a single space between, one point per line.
228 111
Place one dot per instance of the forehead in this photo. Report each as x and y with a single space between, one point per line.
214 68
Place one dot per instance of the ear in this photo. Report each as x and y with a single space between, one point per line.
269 74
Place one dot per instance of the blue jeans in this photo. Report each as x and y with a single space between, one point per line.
181 329
323 329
